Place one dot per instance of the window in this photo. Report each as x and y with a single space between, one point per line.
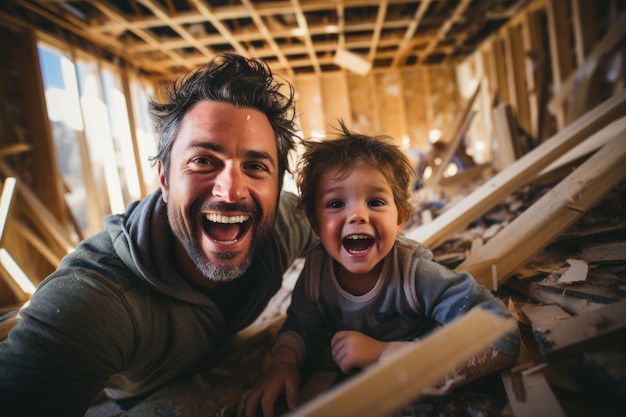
104 163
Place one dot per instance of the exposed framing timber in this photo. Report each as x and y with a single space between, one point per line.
45 221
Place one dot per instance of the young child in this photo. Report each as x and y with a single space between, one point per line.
370 288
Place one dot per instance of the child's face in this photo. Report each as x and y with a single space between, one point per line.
357 218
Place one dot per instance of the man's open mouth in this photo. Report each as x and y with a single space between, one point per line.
356 244
226 229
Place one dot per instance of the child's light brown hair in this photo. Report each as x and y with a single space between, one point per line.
347 151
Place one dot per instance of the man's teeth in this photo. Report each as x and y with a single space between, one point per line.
220 218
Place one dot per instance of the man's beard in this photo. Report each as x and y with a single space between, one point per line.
224 273
219 274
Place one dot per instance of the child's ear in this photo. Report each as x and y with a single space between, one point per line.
400 226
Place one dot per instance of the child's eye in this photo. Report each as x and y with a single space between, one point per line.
376 203
335 204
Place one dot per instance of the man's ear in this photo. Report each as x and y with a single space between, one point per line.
162 180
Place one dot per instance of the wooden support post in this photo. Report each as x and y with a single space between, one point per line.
457 131
577 85
391 384
558 209
505 136
521 172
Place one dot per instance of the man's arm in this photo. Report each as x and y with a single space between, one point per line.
63 350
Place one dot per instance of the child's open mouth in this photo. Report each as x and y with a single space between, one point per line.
358 243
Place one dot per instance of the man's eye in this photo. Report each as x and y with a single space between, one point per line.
335 204
376 203
201 161
255 166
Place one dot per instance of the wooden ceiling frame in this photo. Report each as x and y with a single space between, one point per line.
293 36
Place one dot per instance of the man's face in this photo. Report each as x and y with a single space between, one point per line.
222 189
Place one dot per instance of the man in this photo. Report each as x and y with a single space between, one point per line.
152 295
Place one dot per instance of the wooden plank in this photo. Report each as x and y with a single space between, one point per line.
539 399
590 145
605 252
542 317
568 303
6 198
552 214
505 136
577 334
505 182
407 374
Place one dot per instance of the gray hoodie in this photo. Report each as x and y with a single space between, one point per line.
118 314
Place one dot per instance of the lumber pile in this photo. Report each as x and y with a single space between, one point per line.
548 235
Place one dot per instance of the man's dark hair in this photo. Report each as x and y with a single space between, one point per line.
233 79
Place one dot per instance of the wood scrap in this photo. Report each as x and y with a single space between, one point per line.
576 272
538 400
601 287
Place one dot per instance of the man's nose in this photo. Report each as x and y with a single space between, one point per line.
230 184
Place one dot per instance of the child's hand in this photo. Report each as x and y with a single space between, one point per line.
281 376
352 350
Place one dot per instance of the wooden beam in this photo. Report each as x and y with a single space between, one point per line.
45 221
574 335
522 171
547 218
391 384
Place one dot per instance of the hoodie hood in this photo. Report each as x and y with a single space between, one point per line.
143 240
